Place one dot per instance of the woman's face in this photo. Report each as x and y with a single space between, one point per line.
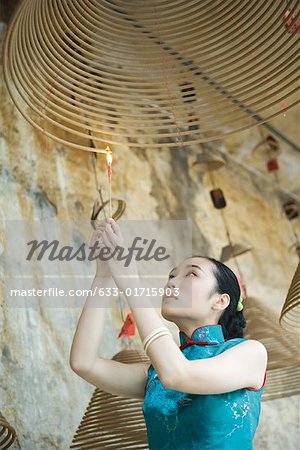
193 285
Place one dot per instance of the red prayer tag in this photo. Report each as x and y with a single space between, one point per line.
272 165
128 328
289 18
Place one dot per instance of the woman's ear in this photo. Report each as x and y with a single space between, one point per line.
222 302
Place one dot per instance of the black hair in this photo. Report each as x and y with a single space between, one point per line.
232 321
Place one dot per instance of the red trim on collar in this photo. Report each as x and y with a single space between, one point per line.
190 342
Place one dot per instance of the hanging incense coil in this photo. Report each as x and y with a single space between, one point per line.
269 147
119 71
233 250
283 370
207 162
295 247
291 209
272 144
113 422
97 208
218 198
7 434
290 314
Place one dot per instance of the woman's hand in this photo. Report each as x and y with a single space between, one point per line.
124 273
103 268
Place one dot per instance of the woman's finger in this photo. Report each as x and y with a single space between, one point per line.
110 236
115 227
107 243
99 230
97 235
100 227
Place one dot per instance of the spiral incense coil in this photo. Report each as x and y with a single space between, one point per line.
207 162
232 250
290 314
268 147
7 434
156 73
283 371
120 209
291 209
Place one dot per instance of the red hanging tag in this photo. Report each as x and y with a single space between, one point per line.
128 328
272 165
288 19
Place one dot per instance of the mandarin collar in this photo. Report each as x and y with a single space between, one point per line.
204 335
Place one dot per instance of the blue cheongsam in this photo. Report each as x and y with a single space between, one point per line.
180 421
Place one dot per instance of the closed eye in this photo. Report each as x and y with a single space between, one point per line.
190 272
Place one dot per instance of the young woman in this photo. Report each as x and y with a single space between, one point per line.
204 394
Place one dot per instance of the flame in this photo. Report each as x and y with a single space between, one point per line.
108 155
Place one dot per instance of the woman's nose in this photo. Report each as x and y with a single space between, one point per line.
172 283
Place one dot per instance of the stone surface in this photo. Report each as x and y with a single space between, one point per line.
39 393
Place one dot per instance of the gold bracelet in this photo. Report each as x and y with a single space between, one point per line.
162 333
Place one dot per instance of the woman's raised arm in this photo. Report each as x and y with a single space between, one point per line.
117 378
126 380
